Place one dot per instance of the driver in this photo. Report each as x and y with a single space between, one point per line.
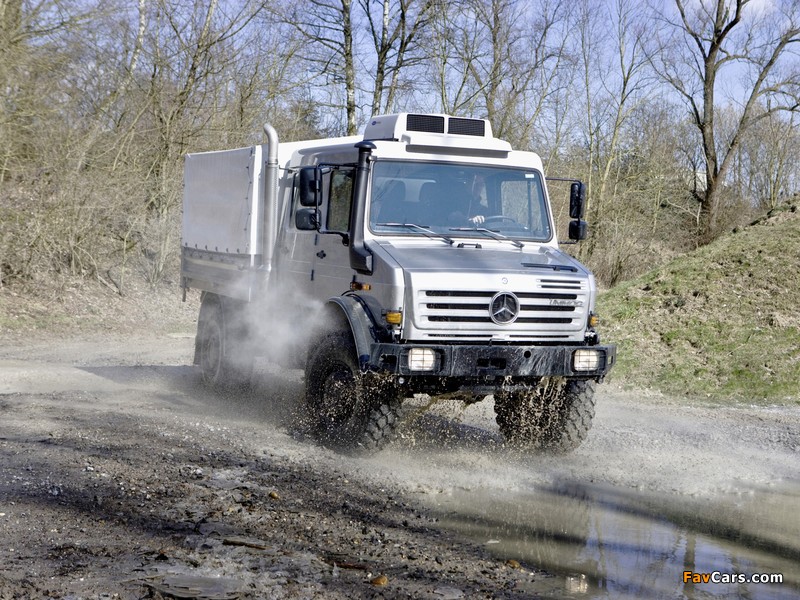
477 199
453 203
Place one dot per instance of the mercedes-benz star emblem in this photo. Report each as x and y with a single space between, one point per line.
504 308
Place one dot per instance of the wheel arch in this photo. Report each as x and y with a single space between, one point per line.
350 313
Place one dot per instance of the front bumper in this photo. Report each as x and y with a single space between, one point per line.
490 361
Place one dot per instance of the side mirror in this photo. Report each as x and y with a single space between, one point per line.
578 229
310 185
307 219
577 201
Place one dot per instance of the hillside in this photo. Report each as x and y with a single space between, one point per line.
720 323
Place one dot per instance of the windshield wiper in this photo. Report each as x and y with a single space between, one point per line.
491 234
421 228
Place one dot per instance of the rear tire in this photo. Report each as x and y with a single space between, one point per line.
555 416
349 410
210 346
222 348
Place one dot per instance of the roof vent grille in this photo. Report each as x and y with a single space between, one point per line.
460 126
426 123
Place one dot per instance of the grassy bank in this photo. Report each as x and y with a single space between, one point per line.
721 322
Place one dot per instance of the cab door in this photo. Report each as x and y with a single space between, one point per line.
295 252
331 272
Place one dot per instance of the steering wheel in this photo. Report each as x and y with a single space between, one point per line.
500 218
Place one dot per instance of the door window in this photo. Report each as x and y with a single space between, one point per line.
340 199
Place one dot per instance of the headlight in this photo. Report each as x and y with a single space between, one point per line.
587 360
422 359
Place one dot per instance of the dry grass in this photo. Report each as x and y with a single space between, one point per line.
81 307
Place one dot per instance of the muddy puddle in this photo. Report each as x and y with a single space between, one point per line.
606 542
662 496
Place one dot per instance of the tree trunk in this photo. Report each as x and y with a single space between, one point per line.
349 68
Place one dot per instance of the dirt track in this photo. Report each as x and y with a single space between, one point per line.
120 476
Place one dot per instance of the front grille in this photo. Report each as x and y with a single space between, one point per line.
557 304
474 319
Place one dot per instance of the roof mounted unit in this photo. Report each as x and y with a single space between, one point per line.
427 131
392 127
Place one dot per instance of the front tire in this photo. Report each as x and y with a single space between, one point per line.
349 410
554 416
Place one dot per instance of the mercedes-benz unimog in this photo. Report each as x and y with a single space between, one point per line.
419 258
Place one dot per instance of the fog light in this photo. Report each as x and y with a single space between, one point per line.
421 359
586 360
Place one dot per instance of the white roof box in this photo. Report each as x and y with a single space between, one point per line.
435 130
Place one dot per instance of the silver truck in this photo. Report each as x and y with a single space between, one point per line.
420 258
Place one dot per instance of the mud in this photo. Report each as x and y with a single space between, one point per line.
122 477
659 489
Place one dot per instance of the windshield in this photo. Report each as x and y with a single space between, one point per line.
413 198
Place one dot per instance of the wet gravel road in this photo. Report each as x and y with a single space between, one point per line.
122 477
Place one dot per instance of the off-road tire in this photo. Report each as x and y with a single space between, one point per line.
349 411
224 361
551 418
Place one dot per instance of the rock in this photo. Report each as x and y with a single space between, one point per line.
196 587
380 580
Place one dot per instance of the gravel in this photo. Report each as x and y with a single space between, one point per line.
122 477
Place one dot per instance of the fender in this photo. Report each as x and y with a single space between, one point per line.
361 319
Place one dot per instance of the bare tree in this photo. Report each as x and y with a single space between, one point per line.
99 104
526 53
46 228
34 48
450 39
188 47
500 59
710 39
327 26
612 62
767 165
394 27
